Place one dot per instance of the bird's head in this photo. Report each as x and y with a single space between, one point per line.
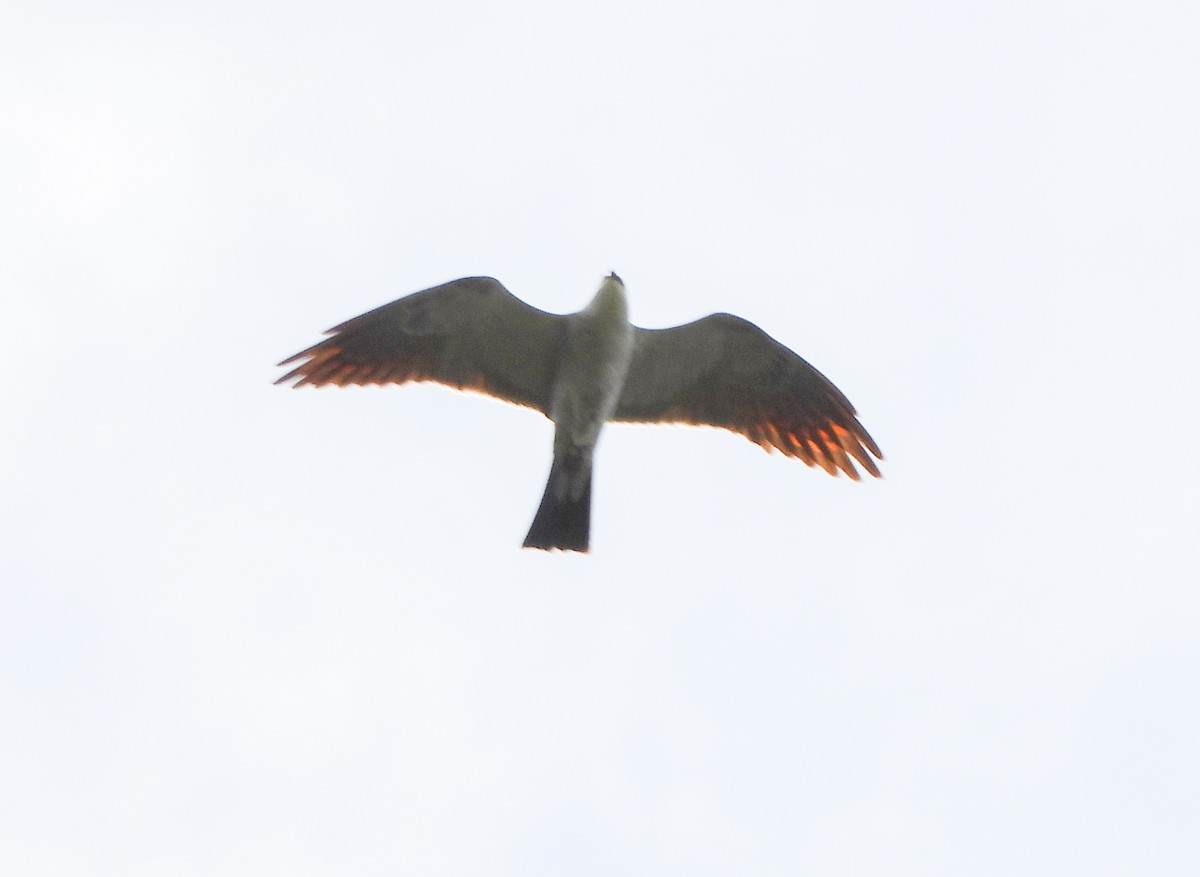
610 297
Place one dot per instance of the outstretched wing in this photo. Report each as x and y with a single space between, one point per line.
725 371
471 334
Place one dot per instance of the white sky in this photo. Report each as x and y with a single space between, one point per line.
246 630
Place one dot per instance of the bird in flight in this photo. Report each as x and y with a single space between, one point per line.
585 369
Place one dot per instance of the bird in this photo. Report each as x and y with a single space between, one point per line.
586 369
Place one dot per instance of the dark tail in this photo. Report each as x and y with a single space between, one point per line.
565 515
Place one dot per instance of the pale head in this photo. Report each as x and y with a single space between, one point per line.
610 297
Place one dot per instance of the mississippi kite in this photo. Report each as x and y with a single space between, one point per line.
582 370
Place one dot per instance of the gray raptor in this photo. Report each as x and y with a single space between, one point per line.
582 370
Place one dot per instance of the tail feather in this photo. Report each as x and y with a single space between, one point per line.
563 521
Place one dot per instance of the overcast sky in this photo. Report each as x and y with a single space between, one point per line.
248 630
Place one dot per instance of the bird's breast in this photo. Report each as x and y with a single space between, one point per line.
597 350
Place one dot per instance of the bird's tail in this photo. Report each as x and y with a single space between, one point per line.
565 515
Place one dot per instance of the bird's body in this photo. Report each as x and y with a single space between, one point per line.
593 365
585 369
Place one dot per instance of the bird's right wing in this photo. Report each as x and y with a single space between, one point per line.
471 334
724 371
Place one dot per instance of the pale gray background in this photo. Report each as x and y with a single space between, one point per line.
246 630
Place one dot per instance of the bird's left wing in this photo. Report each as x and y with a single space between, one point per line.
471 334
724 371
